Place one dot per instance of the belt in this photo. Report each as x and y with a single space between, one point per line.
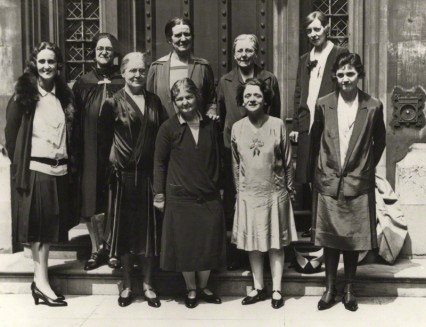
49 161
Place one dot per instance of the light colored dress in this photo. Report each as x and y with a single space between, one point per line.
263 175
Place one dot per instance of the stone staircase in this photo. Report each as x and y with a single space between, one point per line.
407 277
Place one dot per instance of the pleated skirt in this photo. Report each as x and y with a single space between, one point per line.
193 236
344 223
44 213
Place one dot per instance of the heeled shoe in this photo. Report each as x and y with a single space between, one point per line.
191 303
349 300
260 296
96 260
125 301
152 301
328 299
39 295
209 298
114 263
276 304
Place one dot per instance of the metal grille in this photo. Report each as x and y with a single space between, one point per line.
81 25
338 19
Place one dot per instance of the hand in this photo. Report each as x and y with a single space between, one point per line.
159 205
212 113
294 136
292 193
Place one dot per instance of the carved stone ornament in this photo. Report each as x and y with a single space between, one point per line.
408 107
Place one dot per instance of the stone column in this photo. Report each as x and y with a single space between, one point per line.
10 69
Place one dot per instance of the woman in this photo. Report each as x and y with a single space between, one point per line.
39 140
245 49
314 80
90 91
186 179
180 63
128 125
349 138
263 176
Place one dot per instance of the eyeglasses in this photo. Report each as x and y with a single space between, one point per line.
107 49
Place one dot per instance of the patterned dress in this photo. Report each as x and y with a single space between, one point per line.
263 174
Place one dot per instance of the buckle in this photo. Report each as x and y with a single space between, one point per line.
57 163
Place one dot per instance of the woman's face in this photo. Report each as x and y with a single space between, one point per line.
253 99
244 53
135 74
47 66
347 78
186 103
104 53
181 38
316 33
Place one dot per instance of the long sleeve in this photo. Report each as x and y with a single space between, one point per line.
106 129
209 89
13 122
235 159
275 110
316 132
379 135
297 95
161 159
287 158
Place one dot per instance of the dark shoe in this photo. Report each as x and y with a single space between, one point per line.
59 296
260 296
349 300
152 301
234 265
307 233
96 260
125 301
191 303
276 304
328 299
39 295
209 298
114 263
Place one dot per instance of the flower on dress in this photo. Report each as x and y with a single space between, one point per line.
311 64
255 145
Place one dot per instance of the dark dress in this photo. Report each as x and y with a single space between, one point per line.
90 91
344 215
127 137
43 206
193 237
302 116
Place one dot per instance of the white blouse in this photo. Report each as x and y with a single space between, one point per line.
315 78
49 133
346 114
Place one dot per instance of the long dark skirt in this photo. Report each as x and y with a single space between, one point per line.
345 223
44 213
193 237
132 215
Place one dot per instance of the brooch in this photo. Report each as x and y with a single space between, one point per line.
255 145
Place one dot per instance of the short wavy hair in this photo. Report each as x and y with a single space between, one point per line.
352 59
168 30
251 37
189 86
114 42
31 63
264 88
129 56
315 15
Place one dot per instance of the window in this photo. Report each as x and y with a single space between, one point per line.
81 25
337 14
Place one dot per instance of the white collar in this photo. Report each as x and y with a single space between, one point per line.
324 53
43 92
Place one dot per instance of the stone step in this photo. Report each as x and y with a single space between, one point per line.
405 278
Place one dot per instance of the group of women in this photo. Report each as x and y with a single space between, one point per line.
139 143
